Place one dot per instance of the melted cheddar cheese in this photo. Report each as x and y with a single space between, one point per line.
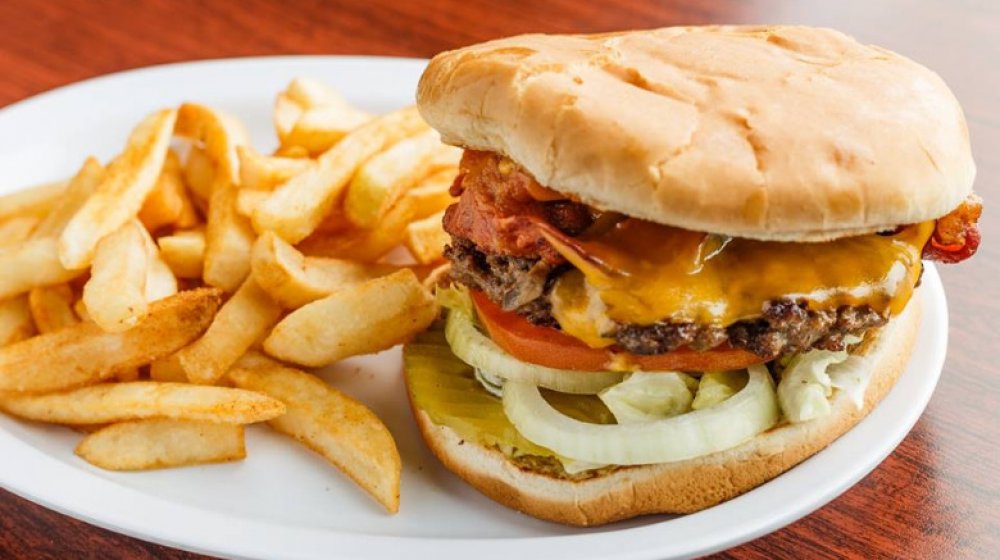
640 272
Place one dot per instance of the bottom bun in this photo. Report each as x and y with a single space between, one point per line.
678 487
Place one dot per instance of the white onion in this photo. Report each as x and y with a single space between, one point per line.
477 350
737 419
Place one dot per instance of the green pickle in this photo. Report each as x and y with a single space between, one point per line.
445 388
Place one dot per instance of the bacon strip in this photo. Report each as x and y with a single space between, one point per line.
956 234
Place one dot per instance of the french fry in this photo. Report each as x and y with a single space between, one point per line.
120 195
116 402
184 252
15 321
264 173
14 231
242 321
368 245
79 189
128 375
339 428
219 133
286 113
115 295
426 238
383 179
84 354
432 191
168 369
160 280
310 94
247 201
319 129
228 235
228 239
80 308
296 208
360 319
294 280
52 308
158 443
168 204
295 152
31 264
34 201
199 174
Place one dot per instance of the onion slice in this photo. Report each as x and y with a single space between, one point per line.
739 418
477 350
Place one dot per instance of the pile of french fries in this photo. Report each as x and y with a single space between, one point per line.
162 301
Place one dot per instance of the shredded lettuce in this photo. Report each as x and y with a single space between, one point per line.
456 298
717 386
649 396
805 387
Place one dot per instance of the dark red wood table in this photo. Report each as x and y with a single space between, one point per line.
937 496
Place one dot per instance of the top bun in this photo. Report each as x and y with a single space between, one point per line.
778 132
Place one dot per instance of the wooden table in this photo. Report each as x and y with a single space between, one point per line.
937 496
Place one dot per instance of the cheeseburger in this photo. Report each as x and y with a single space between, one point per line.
683 260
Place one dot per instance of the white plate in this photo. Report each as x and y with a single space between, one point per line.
283 501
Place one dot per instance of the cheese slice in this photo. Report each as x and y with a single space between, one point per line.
642 272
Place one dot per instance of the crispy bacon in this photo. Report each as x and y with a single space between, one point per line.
500 206
956 234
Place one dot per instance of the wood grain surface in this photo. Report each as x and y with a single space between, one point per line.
937 496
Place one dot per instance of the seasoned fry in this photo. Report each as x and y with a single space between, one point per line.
158 443
426 238
31 264
293 280
247 201
168 370
15 320
286 113
368 245
296 208
339 428
228 235
120 195
359 319
264 173
319 129
115 295
160 280
199 174
432 191
184 252
79 189
52 308
116 402
241 322
310 94
84 354
35 201
14 231
168 204
383 179
219 133
228 239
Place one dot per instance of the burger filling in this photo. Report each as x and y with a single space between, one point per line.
578 341
516 241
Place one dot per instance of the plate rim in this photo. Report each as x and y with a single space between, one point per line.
627 543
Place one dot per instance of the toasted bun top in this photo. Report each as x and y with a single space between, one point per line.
778 132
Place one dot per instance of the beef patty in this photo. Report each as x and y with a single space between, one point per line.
523 285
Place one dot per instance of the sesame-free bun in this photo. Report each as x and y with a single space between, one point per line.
778 132
678 487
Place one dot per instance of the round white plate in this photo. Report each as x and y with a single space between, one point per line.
285 502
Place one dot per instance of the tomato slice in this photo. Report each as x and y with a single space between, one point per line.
552 348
